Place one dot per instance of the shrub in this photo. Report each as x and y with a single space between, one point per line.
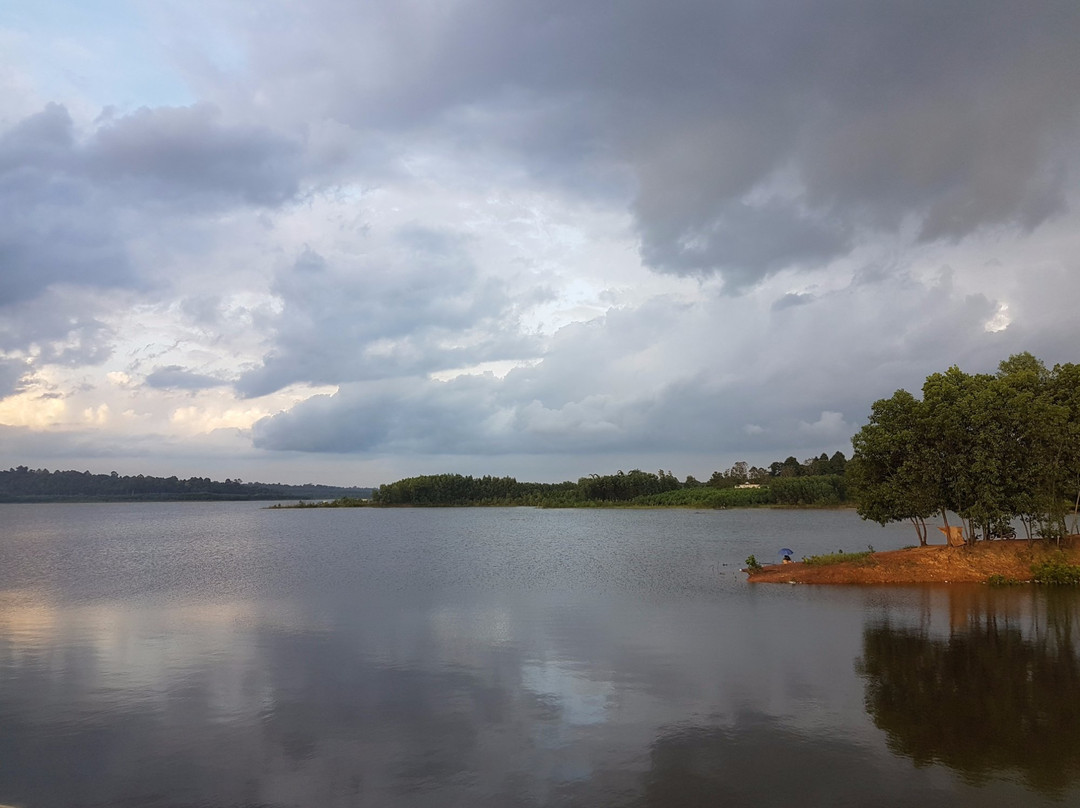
1056 572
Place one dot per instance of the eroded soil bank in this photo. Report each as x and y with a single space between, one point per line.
933 564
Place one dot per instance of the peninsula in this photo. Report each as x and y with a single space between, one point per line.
1005 561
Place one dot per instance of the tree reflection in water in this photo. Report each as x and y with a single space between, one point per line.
761 762
997 692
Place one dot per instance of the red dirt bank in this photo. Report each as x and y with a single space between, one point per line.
933 564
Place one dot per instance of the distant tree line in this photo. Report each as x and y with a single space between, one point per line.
991 448
741 473
23 484
816 481
456 489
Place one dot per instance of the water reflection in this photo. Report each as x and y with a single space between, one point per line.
410 658
996 692
760 761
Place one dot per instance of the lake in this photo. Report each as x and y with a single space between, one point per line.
223 654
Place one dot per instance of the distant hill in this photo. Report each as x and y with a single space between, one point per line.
22 484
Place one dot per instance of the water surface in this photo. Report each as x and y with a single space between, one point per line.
228 655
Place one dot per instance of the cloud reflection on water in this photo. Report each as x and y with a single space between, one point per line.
388 658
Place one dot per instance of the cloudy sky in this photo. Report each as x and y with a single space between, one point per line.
347 242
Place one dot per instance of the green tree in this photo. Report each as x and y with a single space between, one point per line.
889 466
1064 392
990 448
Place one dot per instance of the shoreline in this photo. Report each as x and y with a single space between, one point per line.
597 505
1009 559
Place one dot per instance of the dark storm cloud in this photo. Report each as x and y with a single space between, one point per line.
740 241
174 377
759 135
55 226
174 152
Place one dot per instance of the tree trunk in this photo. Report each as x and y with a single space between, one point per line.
920 529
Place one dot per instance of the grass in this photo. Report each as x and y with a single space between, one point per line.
839 557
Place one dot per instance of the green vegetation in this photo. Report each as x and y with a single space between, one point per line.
1002 580
341 502
457 489
991 448
752 564
824 490
710 498
838 557
1056 572
635 488
22 484
816 482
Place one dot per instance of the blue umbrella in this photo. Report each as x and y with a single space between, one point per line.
786 553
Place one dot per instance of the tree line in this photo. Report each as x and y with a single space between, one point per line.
23 484
816 481
991 448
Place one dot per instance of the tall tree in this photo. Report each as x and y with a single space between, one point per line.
889 467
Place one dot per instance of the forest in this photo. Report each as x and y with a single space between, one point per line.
22 484
817 481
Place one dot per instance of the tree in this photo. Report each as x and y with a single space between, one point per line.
837 463
1031 427
990 448
889 467
739 471
951 433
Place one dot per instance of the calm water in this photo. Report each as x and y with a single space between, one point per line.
227 655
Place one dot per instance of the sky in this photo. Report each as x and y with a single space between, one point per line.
341 242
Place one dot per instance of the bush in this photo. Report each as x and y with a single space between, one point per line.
823 491
1056 573
710 498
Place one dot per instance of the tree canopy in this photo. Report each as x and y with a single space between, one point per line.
990 448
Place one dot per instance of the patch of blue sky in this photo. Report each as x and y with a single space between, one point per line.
96 52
